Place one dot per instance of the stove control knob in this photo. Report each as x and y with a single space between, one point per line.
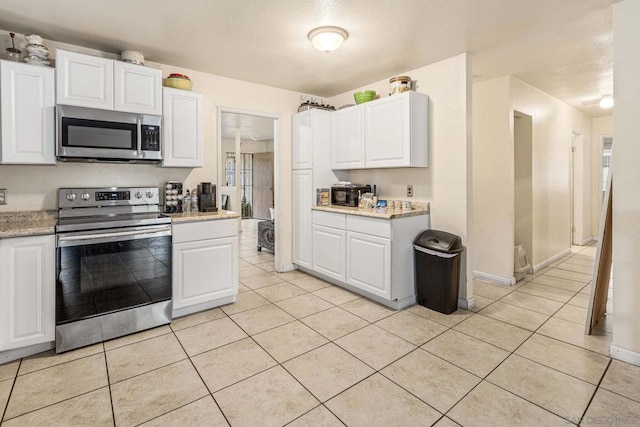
85 196
149 194
139 195
71 197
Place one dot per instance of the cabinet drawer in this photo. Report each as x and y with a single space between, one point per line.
202 230
372 226
330 219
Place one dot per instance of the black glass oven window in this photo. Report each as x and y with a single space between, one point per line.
98 134
106 277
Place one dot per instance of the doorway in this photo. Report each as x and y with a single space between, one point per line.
248 156
580 191
523 185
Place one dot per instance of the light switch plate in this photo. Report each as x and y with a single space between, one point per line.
3 196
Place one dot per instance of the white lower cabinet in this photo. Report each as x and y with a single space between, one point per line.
27 291
329 251
371 256
205 265
369 263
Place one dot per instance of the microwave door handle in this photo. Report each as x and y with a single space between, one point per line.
139 134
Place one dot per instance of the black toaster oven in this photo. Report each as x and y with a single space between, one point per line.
348 195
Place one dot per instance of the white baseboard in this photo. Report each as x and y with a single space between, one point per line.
467 304
498 280
625 355
556 257
286 267
588 240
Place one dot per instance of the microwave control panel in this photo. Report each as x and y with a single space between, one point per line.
150 138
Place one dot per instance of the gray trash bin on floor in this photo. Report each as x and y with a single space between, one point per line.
437 268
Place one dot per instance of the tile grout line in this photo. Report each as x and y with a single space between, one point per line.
201 379
595 391
106 366
15 379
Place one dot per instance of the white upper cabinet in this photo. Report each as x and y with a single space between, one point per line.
397 133
137 89
347 138
27 114
182 128
390 132
303 140
94 82
84 80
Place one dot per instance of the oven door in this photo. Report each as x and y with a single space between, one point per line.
100 272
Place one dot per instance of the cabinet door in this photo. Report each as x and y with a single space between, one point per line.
347 138
182 124
138 89
388 132
84 80
302 141
329 251
204 271
27 291
302 203
28 118
369 263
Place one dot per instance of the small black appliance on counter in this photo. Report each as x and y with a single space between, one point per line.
348 194
207 197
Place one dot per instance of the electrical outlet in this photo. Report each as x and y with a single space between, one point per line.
409 190
3 196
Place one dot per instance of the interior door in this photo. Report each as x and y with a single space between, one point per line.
262 184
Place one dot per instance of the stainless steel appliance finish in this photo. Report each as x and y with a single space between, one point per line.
348 194
92 135
113 250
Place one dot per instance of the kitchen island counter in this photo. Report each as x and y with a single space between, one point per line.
202 216
382 213
27 223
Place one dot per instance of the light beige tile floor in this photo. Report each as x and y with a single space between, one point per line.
295 350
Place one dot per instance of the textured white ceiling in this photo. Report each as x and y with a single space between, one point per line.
250 127
563 47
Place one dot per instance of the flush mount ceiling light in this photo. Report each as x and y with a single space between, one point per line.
327 39
606 102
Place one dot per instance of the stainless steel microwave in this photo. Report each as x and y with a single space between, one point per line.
87 134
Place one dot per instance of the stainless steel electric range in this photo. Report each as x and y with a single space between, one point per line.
113 253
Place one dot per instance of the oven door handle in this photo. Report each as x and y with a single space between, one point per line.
93 238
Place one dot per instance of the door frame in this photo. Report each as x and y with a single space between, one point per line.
277 123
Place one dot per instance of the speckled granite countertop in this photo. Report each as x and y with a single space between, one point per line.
202 216
382 213
27 223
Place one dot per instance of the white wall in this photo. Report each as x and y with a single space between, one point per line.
34 187
600 126
446 183
553 124
626 176
493 204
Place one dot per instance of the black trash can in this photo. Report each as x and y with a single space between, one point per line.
437 268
